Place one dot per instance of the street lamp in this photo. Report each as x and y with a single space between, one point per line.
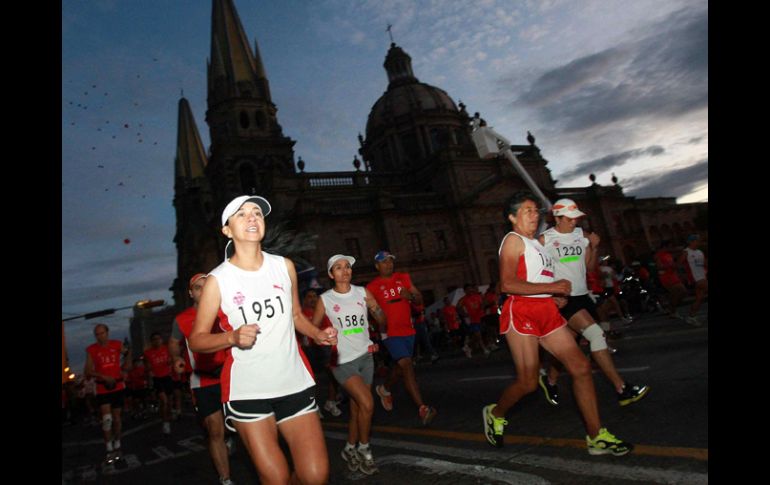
110 311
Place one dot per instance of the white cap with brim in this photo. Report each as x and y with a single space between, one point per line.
238 202
567 207
336 258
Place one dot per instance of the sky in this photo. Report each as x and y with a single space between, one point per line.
605 87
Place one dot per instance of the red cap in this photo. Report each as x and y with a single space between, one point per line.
195 278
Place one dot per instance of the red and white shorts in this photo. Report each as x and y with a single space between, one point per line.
530 316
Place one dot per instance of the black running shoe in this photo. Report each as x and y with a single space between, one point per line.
631 393
551 390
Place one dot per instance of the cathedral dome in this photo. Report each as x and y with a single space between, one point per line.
404 99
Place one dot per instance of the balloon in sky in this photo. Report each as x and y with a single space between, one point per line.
126 241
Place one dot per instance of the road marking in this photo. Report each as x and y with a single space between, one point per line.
99 441
590 468
441 467
650 450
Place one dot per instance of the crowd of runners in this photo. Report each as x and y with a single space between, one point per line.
251 346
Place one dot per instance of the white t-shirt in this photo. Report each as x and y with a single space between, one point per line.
568 251
697 263
272 367
535 266
348 314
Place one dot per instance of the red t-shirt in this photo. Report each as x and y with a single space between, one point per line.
450 317
398 311
158 360
137 378
490 302
474 307
325 323
106 361
666 268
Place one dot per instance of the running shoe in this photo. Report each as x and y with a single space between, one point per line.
385 397
427 413
110 458
366 465
166 427
606 443
467 351
225 481
693 321
351 456
551 390
631 393
332 408
494 427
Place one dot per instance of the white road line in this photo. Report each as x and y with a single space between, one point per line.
99 441
589 467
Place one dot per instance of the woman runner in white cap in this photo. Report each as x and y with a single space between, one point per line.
573 250
346 306
266 387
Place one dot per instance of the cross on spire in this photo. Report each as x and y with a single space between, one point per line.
390 33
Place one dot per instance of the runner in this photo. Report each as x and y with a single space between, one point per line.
204 381
103 365
394 292
346 306
530 317
266 387
572 251
158 363
695 262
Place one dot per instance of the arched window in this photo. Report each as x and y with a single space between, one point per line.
244 120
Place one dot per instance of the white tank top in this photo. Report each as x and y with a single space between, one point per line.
696 261
535 266
568 252
272 367
348 314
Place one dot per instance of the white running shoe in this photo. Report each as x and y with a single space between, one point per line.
332 408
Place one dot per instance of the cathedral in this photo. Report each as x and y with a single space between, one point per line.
419 188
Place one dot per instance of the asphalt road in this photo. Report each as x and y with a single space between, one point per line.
544 443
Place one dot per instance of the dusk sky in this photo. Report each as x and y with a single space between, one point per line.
604 86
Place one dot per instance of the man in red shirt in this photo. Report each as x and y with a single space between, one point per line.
204 380
452 322
668 277
394 293
103 364
471 306
158 363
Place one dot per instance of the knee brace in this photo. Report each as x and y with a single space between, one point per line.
595 336
106 422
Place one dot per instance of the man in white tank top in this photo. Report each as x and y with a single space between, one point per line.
572 252
695 262
530 318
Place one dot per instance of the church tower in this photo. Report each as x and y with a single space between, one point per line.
249 153
195 237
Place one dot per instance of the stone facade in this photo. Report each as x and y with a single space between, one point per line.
419 190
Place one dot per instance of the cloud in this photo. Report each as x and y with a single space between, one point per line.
674 183
663 72
609 161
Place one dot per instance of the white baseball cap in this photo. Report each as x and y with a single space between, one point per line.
238 202
567 207
337 257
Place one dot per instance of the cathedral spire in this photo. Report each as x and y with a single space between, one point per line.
190 155
234 71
